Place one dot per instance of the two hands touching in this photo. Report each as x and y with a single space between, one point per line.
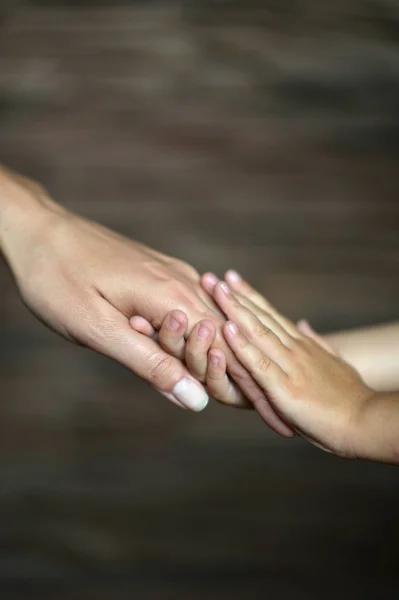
111 294
86 282
316 393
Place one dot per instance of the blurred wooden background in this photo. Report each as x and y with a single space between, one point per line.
259 135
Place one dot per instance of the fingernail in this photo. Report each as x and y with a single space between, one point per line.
190 394
173 324
225 288
233 276
212 279
214 359
203 333
233 328
172 398
303 324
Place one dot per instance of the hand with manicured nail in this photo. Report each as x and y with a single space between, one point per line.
208 364
171 338
89 284
319 395
205 363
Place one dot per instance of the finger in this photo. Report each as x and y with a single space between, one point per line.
172 333
262 367
208 282
196 309
217 381
243 391
219 386
246 387
264 337
238 284
266 319
305 328
254 393
232 393
209 302
142 326
113 336
197 346
263 409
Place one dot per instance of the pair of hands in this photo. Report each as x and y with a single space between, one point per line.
87 282
103 291
317 394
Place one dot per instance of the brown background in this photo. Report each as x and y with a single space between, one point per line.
259 135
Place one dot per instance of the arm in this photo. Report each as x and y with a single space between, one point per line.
373 352
87 282
37 241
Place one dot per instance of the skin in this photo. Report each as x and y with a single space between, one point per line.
321 396
372 351
86 283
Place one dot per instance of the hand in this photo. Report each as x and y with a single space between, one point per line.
204 361
315 392
86 282
255 302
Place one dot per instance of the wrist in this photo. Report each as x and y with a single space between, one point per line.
26 211
361 437
377 427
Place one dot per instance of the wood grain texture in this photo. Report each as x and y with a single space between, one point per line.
259 135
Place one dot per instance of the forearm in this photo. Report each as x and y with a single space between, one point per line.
373 352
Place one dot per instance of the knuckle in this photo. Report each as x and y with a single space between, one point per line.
94 331
216 391
262 364
171 348
188 270
180 294
160 369
192 354
175 289
91 329
243 345
213 377
260 330
236 306
183 268
239 374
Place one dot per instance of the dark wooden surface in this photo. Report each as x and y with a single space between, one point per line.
263 136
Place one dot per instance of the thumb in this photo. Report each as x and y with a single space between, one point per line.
144 357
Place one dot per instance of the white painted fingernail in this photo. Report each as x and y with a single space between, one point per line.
190 394
172 399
